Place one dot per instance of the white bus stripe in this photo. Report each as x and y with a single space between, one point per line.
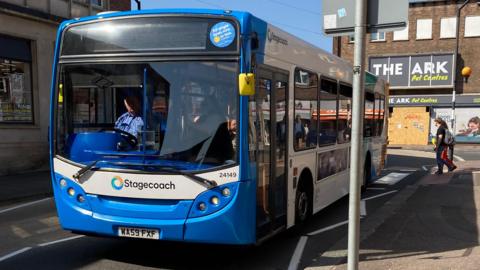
331 227
379 195
297 254
15 253
23 205
61 240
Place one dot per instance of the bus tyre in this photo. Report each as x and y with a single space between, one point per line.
302 205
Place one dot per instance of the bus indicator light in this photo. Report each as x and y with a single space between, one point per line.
80 199
71 192
63 182
226 192
202 206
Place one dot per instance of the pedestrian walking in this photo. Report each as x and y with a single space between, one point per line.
444 138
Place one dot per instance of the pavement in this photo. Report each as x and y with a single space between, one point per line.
433 224
25 187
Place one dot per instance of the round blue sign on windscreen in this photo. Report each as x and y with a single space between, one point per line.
222 34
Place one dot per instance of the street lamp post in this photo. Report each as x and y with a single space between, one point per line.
455 63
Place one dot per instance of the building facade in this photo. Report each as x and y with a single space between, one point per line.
419 64
27 38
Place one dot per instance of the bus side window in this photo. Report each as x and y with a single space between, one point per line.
305 110
369 121
327 133
344 113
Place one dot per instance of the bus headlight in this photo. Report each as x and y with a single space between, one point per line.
71 192
213 200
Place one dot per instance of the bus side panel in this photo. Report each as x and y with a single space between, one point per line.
235 224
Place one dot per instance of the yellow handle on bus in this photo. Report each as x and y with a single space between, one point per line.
246 84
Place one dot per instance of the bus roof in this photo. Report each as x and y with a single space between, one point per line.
314 58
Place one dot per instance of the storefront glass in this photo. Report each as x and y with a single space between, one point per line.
15 92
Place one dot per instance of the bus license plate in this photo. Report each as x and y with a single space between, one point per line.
138 233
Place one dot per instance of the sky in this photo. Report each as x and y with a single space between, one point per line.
301 18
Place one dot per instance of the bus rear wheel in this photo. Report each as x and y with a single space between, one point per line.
302 206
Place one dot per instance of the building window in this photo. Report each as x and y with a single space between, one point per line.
424 29
377 36
472 26
16 105
98 3
351 39
401 34
448 27
305 110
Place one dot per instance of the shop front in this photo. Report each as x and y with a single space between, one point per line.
412 118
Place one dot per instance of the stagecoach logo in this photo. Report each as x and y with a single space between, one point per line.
272 37
117 182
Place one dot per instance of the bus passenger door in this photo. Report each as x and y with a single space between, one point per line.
271 135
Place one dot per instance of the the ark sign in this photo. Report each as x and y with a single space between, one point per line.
415 71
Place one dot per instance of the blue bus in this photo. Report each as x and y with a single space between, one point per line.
205 126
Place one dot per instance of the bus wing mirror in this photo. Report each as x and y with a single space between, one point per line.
246 84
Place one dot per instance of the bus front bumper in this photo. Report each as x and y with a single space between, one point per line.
231 223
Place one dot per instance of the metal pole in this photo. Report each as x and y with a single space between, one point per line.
455 77
356 160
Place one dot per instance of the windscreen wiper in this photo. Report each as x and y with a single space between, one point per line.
85 169
162 168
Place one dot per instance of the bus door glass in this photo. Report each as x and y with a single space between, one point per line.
271 135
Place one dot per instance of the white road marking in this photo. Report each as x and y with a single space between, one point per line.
61 240
15 253
23 205
328 228
408 170
392 178
297 254
425 168
379 195
458 158
363 208
376 188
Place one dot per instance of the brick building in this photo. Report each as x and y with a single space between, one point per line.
27 37
419 64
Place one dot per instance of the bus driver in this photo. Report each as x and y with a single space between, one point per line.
130 122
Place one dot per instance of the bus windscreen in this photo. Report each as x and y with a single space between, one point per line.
150 35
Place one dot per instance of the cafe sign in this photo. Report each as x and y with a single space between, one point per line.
414 71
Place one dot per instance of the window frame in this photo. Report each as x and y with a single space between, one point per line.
407 30
447 20
340 84
297 149
430 26
378 34
475 34
326 78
